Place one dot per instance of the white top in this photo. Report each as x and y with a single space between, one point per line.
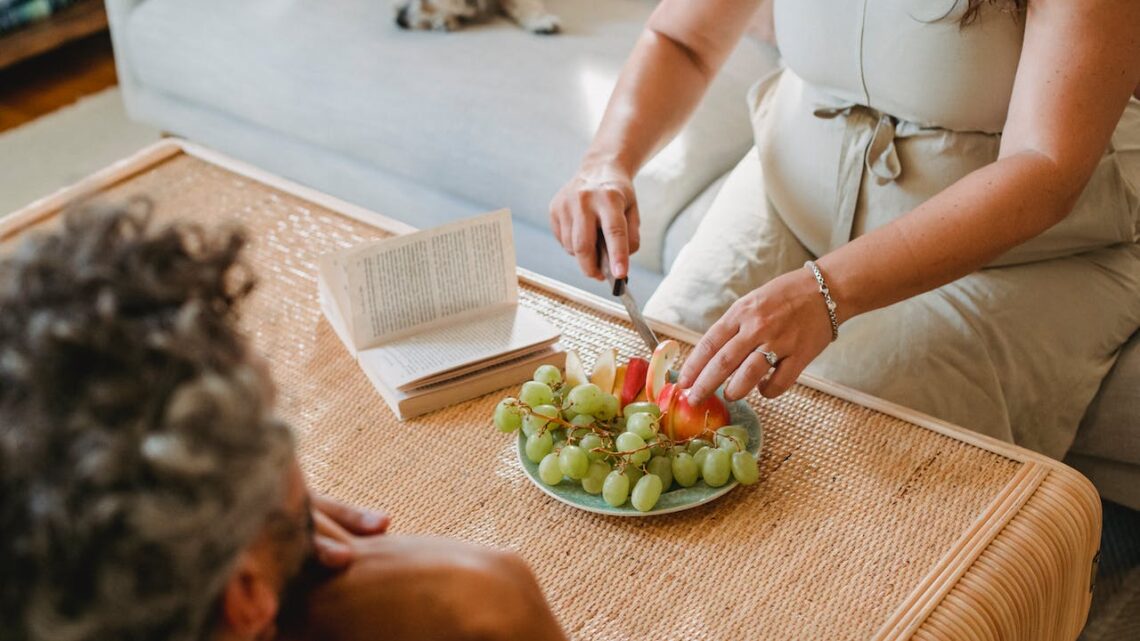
908 58
884 103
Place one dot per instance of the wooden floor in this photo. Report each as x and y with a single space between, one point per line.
40 85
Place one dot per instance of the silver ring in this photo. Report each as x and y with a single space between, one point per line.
770 357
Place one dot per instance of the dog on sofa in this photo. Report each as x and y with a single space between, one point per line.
449 15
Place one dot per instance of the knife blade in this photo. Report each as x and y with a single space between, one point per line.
620 289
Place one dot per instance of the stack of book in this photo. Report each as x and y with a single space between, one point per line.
433 318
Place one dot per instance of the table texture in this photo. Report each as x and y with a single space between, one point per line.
863 525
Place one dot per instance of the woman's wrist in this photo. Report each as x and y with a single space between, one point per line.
829 303
607 163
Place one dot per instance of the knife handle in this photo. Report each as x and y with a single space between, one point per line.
618 284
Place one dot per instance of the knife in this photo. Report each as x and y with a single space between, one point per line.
620 289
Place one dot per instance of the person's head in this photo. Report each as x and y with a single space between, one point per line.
146 489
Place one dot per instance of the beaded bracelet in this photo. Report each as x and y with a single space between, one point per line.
826 298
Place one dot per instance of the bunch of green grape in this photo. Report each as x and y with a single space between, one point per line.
581 435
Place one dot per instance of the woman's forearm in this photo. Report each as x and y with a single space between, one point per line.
659 87
674 61
963 228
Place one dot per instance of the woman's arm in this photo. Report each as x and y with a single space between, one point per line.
683 46
1079 64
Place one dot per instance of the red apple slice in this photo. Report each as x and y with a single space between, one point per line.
682 421
664 357
575 373
667 401
632 384
605 369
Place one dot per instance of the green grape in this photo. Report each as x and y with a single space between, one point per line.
538 419
573 462
700 456
733 438
643 425
534 394
559 436
744 468
508 416
595 477
685 470
549 471
630 442
590 442
639 407
716 468
549 375
663 469
538 446
582 420
646 492
658 446
615 489
634 473
609 408
696 444
585 399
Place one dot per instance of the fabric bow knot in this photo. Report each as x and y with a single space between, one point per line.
882 159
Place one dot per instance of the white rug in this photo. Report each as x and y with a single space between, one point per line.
58 149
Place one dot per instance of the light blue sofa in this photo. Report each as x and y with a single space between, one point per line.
429 127
424 127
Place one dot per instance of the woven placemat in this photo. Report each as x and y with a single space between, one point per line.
854 507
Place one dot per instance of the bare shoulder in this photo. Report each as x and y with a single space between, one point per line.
405 587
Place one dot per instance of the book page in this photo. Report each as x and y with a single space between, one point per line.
410 284
407 362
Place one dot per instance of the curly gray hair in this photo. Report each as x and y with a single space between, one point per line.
138 451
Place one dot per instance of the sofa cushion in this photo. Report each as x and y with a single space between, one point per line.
491 114
1111 427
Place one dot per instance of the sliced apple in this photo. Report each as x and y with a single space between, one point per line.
619 381
666 402
605 369
575 373
685 421
632 387
664 357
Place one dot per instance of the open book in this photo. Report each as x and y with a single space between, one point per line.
433 317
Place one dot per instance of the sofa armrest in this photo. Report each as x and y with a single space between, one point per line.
118 15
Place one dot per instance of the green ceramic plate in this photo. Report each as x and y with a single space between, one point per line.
678 499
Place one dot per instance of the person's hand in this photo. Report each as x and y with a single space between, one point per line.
598 196
336 525
786 316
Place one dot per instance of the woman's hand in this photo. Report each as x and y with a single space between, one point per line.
336 524
786 316
601 196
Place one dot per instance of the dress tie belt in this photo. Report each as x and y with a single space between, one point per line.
869 141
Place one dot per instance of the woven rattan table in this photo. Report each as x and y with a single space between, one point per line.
870 522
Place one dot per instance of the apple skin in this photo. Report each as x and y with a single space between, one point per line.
683 421
634 380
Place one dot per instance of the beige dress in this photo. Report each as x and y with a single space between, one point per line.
881 106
